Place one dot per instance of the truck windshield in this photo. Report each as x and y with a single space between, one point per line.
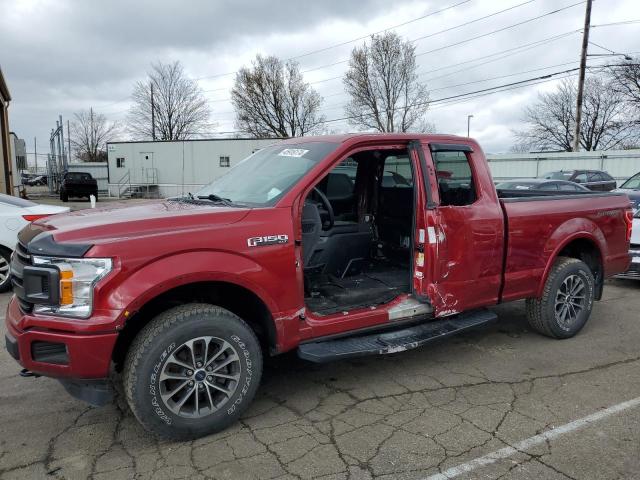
262 178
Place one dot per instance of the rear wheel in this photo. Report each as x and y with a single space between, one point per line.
5 280
64 196
566 302
192 371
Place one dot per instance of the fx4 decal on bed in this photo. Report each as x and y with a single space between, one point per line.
267 240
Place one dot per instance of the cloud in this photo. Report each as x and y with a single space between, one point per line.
63 56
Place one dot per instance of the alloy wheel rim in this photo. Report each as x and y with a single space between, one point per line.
200 377
570 301
4 270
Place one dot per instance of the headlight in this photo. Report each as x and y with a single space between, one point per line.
77 279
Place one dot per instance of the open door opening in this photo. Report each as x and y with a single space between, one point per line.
357 226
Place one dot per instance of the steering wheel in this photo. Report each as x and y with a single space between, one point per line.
327 205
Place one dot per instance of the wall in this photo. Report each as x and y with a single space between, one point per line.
621 164
18 159
98 170
5 150
180 166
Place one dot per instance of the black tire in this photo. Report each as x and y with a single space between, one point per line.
64 196
5 260
162 341
545 314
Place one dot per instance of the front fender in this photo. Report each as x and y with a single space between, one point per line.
170 272
564 234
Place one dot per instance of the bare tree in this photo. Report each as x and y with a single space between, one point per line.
178 106
605 122
90 132
382 83
272 99
625 80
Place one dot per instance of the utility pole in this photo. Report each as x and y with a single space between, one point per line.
35 152
69 140
583 68
153 115
469 117
63 146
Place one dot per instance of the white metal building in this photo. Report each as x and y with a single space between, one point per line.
620 164
18 160
166 168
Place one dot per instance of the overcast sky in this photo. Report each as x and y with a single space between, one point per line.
61 56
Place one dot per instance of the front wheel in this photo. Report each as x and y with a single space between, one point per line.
192 371
566 302
5 278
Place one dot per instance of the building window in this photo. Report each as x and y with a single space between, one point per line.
224 161
119 162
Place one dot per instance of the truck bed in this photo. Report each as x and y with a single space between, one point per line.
536 221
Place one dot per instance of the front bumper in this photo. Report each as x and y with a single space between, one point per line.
55 353
633 273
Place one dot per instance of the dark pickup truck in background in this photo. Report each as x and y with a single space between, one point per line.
336 247
78 184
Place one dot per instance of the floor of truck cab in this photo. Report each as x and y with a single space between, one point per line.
378 283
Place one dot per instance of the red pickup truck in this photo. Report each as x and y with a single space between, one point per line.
336 246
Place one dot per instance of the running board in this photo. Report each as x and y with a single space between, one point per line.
395 340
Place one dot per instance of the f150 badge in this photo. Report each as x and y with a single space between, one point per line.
267 240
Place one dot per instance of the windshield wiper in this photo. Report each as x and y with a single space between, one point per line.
216 198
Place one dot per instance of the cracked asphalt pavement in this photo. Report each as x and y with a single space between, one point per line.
404 416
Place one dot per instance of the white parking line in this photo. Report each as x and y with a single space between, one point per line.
533 441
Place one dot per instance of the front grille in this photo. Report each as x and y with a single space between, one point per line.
23 254
20 259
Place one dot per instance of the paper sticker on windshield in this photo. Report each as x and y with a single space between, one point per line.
292 152
274 192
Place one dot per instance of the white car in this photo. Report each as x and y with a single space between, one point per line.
15 213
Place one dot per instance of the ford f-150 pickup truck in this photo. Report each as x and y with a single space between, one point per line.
336 247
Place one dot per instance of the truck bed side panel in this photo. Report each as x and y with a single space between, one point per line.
539 228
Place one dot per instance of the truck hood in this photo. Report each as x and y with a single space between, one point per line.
120 221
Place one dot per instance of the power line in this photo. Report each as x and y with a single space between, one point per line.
524 47
535 44
521 48
486 34
553 12
626 22
600 46
333 107
465 97
312 52
520 82
379 31
434 33
454 100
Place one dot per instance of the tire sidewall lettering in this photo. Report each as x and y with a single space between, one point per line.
247 378
154 385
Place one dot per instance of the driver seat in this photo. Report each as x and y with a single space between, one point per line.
338 251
